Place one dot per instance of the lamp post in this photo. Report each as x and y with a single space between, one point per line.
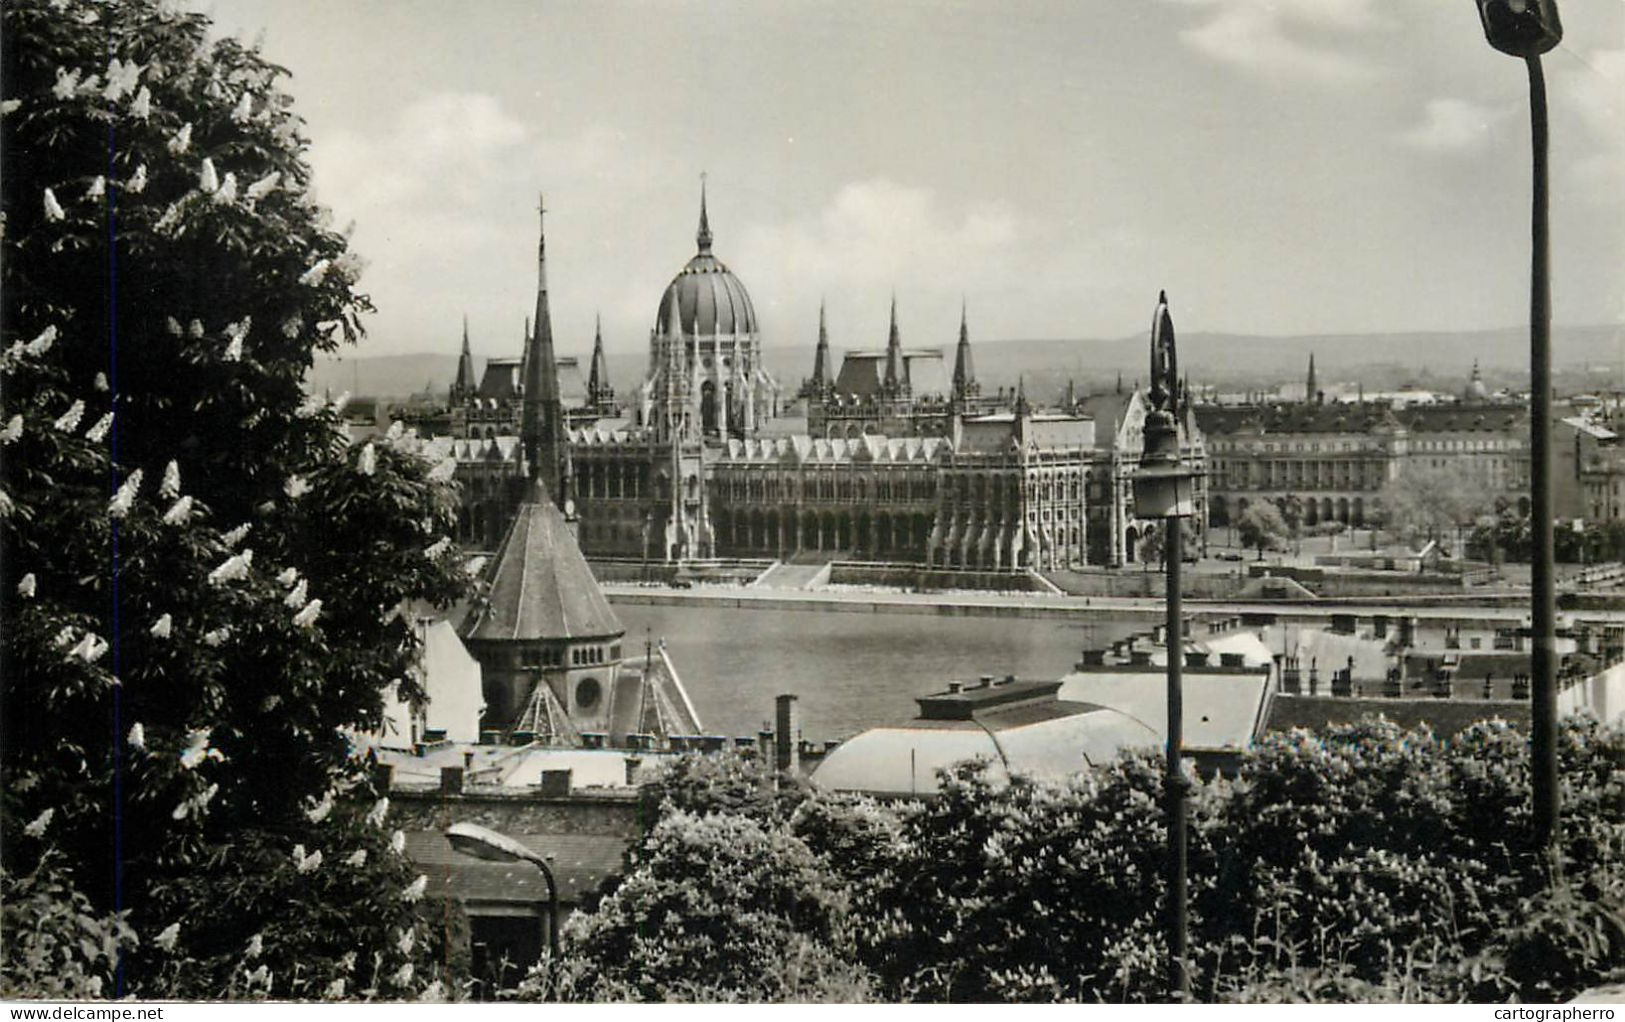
1527 29
487 844
1164 487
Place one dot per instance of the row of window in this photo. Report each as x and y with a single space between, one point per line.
556 654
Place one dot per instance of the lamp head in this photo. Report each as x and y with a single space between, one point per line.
1164 487
1521 28
484 843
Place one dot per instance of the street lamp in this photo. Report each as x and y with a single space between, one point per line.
1528 28
1164 487
484 843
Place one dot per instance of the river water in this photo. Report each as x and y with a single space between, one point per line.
850 670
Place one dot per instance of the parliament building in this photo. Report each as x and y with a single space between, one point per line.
897 456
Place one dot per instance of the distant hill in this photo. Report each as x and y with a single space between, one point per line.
1587 357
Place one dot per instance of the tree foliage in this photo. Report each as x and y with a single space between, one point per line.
203 581
1361 863
1262 527
1427 503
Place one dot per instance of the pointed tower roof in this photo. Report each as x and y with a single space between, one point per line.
822 377
466 383
894 353
702 237
1312 387
540 585
598 374
964 369
540 430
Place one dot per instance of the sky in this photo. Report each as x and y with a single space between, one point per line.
1278 166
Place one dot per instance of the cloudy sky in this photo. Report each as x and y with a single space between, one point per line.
1279 166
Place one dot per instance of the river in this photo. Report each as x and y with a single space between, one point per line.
850 670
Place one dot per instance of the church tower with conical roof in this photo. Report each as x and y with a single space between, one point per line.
542 428
599 393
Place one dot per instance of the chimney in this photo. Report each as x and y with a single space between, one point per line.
1196 658
1093 658
1140 657
787 735
451 780
954 687
987 681
632 765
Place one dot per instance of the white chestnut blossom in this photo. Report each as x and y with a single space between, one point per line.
69 421
98 187
378 812
216 637
297 596
25 588
438 547
318 812
367 462
179 512
124 499
397 842
444 471
208 181
232 569
255 946
227 192
236 536
138 181
121 78
262 187
174 327
357 858
182 140
307 617
288 576
40 822
99 428
162 627
170 487
137 736
53 209
13 431
100 383
66 82
414 890
403 975
296 487
165 941
335 990
194 329
141 106
42 341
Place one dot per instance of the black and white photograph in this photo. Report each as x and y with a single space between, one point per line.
661 502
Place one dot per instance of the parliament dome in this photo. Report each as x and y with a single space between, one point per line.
710 299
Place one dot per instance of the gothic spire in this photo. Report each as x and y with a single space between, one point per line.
821 369
703 237
895 368
465 368
1312 388
542 429
598 388
964 369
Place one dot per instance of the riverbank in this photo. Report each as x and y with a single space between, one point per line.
1046 605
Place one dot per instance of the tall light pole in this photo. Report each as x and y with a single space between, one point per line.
484 843
1164 487
1527 29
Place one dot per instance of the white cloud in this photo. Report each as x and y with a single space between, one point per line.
1591 94
872 238
1454 125
1288 39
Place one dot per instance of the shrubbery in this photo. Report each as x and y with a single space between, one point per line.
1364 863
